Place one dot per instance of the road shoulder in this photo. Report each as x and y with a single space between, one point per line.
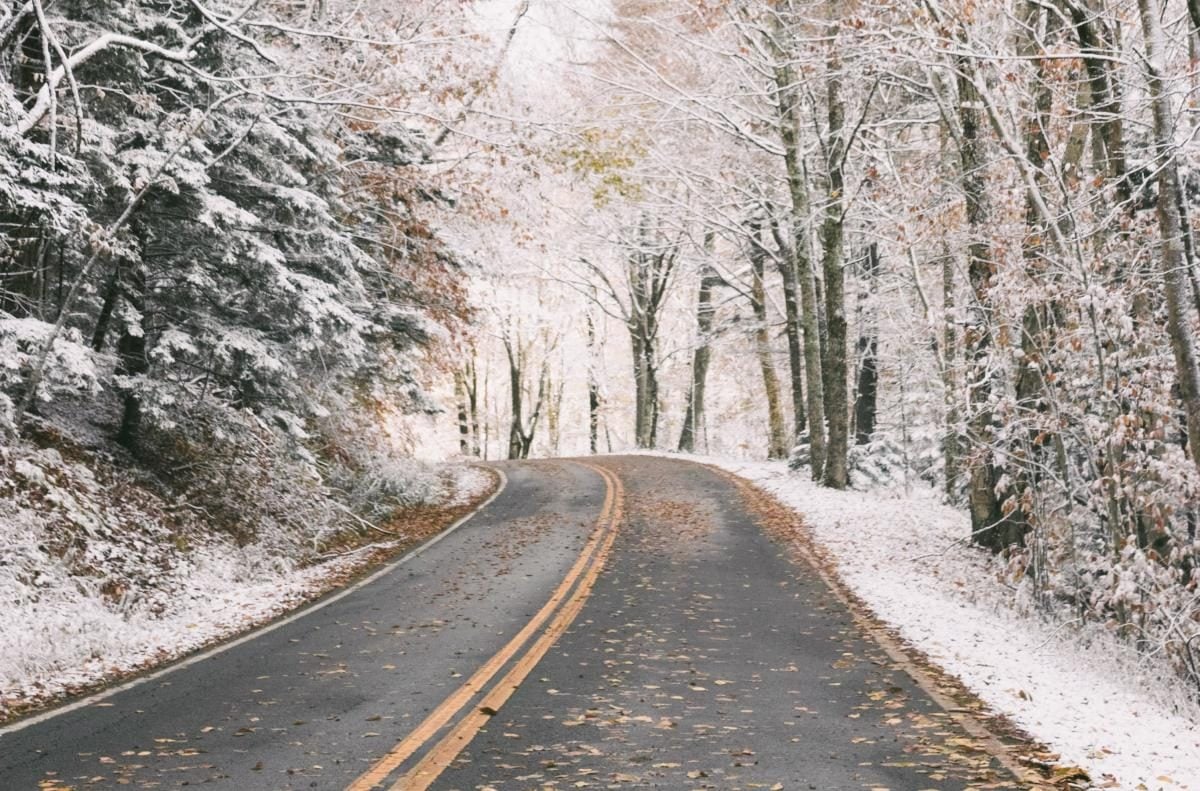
345 567
1031 761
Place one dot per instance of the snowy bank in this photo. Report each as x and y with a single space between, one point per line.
1086 696
98 582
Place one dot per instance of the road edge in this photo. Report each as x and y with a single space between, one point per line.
931 678
337 591
441 737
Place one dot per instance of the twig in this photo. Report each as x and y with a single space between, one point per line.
365 523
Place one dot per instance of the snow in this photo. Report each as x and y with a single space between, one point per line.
1085 695
70 365
70 637
469 484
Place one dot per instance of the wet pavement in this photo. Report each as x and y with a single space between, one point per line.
702 658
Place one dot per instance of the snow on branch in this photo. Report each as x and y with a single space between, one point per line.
45 96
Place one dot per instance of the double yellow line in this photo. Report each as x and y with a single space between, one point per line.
553 619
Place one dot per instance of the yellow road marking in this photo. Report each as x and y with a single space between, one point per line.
440 756
449 707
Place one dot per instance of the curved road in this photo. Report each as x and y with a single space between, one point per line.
619 622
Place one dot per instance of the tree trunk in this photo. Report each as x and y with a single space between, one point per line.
593 388
515 434
951 441
837 411
989 526
473 404
791 309
520 436
1036 324
1170 196
643 387
652 396
527 435
133 362
789 126
1096 46
693 419
777 445
649 273
553 414
1100 51
867 392
486 428
593 416
647 395
464 428
112 292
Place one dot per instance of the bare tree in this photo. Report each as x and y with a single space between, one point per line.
787 100
694 415
867 391
777 446
1170 223
638 299
519 348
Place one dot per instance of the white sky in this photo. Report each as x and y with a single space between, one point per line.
552 35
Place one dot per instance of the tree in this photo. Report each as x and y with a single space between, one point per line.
638 300
834 368
777 447
519 348
989 522
593 387
242 245
787 99
694 425
867 391
1170 222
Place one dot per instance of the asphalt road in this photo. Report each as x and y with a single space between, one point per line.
622 623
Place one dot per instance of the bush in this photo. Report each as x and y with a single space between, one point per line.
248 478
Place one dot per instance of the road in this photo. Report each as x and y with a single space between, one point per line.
619 622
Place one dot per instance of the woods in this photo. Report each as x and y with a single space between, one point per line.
214 251
964 230
955 238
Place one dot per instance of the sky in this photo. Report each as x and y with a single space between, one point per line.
552 35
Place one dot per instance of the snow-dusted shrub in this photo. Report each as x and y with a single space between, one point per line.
68 527
370 469
380 481
884 462
879 463
70 365
801 453
249 477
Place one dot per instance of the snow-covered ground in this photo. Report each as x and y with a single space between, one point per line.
1086 696
468 484
70 637
91 590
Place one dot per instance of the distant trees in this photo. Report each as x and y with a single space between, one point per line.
637 297
1021 175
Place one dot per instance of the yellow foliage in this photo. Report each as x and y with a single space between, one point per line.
606 159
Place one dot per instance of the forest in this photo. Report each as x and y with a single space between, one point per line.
257 257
